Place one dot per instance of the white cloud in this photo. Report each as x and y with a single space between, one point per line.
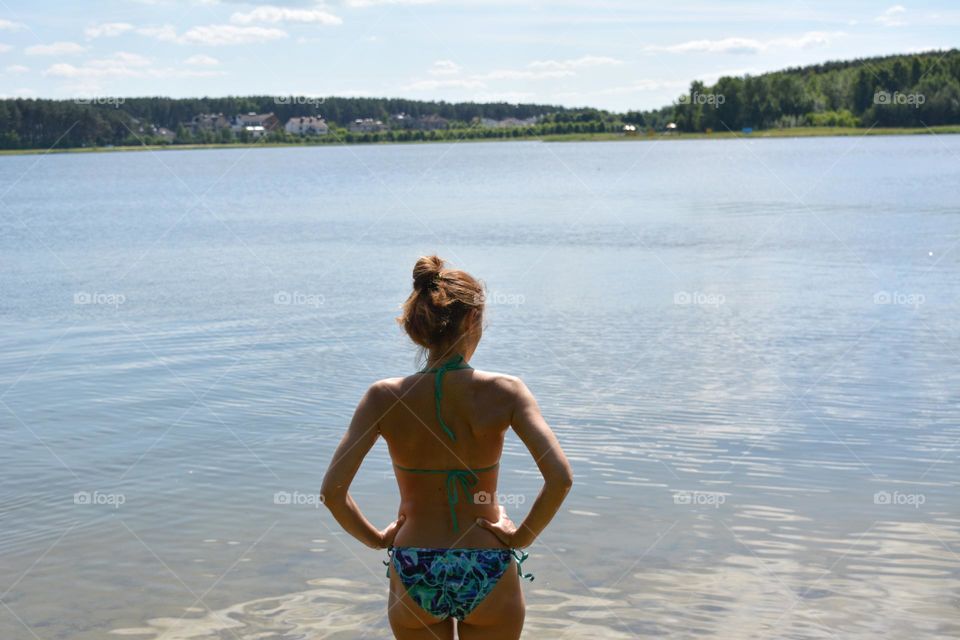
524 74
201 60
55 49
225 34
893 17
5 47
122 65
7 25
107 29
578 63
272 14
431 85
215 34
444 68
377 3
750 45
165 33
16 68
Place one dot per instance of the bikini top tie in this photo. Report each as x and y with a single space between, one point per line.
457 479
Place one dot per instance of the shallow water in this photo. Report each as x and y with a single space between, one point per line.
749 350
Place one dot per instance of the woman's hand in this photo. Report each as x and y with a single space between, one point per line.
387 535
504 529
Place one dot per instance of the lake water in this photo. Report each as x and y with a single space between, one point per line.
748 348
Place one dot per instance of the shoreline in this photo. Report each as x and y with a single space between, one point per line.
798 132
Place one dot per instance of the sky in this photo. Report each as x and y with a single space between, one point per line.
611 54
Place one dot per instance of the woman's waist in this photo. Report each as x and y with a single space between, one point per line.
430 527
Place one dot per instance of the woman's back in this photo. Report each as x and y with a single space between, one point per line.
454 553
476 407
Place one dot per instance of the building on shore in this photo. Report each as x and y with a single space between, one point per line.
255 125
508 123
367 125
430 122
307 126
207 122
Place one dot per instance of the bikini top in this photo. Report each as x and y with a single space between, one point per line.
457 479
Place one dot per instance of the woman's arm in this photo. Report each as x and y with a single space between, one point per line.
557 475
360 437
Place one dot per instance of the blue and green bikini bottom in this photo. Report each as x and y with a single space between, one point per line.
451 582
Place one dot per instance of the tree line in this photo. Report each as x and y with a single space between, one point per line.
891 91
912 90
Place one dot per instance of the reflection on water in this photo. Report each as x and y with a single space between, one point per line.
758 393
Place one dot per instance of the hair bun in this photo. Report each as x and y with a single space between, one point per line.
426 272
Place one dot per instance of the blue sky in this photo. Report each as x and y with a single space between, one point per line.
607 53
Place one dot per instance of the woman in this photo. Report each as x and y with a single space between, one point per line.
454 554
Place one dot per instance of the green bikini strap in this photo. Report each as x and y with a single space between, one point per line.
457 479
452 364
520 557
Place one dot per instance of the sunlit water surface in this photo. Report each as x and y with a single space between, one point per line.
749 350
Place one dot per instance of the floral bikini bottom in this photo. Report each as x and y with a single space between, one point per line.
451 582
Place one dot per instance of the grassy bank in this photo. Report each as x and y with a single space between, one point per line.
797 132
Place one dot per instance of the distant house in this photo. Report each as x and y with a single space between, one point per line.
255 124
207 122
154 130
166 134
367 125
307 126
432 122
427 123
507 123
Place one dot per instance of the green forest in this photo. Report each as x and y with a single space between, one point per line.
915 90
920 90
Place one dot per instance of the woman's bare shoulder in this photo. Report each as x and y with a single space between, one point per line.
504 385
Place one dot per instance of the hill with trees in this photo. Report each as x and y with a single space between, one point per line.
914 90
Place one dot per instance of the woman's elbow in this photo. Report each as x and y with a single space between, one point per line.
333 497
562 479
